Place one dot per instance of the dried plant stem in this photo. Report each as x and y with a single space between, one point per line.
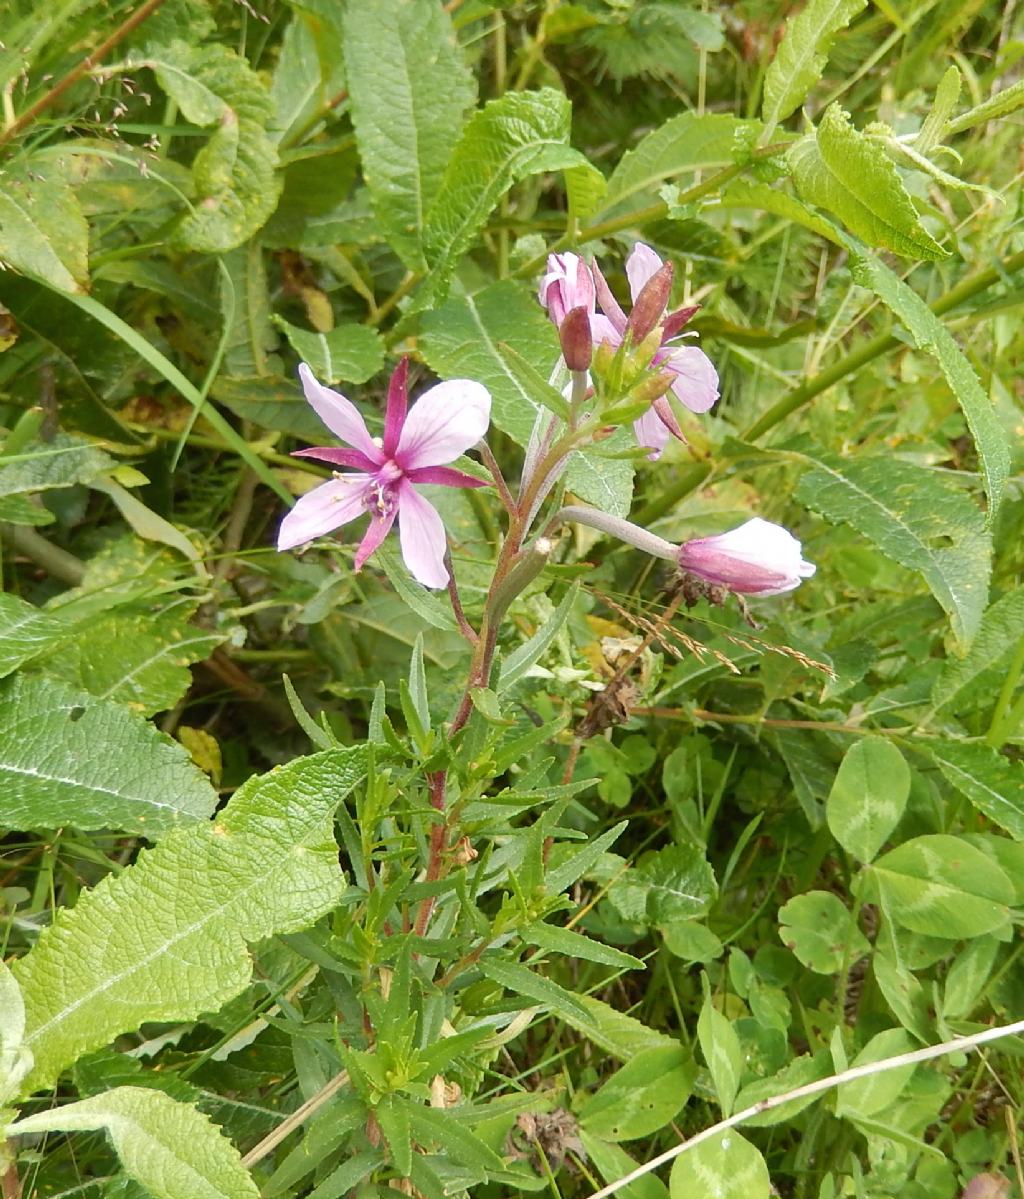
290 1123
79 72
957 1045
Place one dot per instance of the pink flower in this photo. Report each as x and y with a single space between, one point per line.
567 285
443 423
758 558
695 380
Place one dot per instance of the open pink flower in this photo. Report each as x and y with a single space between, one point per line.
443 423
758 558
695 380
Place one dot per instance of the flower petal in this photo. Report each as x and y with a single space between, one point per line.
641 266
696 382
447 476
443 423
607 301
398 403
340 415
353 459
757 558
604 330
423 538
379 528
650 431
326 507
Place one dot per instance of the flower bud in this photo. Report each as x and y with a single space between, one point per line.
675 321
758 558
576 339
650 304
568 284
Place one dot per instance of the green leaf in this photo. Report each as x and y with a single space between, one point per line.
165 940
430 608
844 171
147 523
674 883
168 1147
932 337
873 1094
801 56
1000 105
529 653
562 876
992 782
524 982
724 1166
520 134
943 886
934 126
913 518
461 339
308 74
458 1142
721 1048
46 465
642 1097
349 354
601 480
968 976
43 233
613 1162
906 997
1001 630
573 945
410 88
245 302
25 632
868 796
820 931
615 1032
393 1116
687 142
235 173
67 757
141 661
15 1059
744 194
585 188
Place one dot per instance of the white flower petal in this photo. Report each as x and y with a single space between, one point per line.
422 536
696 381
641 266
340 415
651 432
326 507
443 423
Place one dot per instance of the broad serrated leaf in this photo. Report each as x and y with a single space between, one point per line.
726 1166
308 74
840 169
1002 628
67 757
674 883
801 56
868 796
600 480
44 465
992 782
140 661
585 188
410 89
15 1059
166 938
462 339
170 1148
347 354
235 173
43 233
932 337
520 134
25 632
913 518
942 886
687 142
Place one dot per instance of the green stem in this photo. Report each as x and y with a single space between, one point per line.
1003 724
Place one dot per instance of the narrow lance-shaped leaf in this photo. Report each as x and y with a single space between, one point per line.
801 56
166 938
410 88
932 336
912 518
68 758
844 171
168 1147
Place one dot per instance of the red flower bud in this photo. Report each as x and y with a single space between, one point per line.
650 304
576 339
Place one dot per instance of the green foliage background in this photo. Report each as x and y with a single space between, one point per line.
800 849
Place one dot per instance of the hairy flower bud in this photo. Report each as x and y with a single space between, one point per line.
758 558
576 339
568 284
649 306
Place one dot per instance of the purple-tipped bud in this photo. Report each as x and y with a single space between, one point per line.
568 284
576 339
675 321
758 558
650 304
